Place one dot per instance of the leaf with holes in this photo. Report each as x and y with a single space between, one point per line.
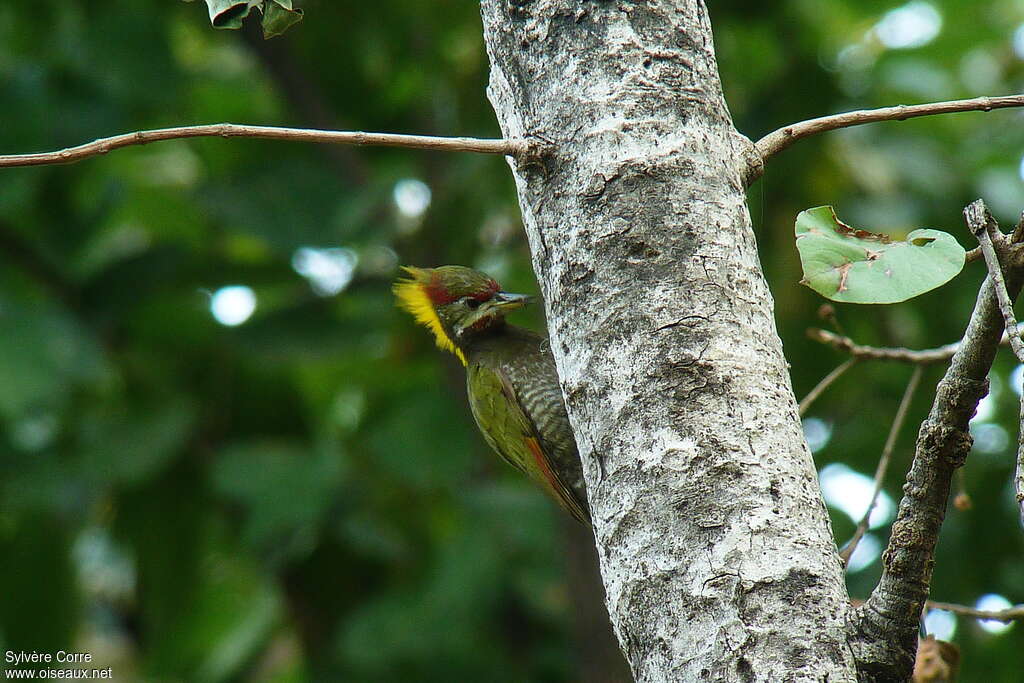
855 266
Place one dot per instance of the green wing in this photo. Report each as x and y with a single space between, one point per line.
512 434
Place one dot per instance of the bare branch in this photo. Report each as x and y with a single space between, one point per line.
824 384
1018 479
516 148
883 462
985 226
986 230
940 354
847 345
1005 615
890 616
780 139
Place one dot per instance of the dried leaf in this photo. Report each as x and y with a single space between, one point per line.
937 661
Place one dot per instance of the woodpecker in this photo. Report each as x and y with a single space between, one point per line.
510 375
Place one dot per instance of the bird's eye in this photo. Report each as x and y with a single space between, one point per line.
473 303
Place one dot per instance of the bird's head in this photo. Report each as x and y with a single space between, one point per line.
455 303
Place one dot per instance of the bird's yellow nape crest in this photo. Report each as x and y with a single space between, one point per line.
412 296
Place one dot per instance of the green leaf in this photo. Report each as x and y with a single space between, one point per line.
278 17
855 266
229 14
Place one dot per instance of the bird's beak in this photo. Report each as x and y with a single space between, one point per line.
506 301
495 308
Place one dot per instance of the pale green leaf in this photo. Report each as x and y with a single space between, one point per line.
849 265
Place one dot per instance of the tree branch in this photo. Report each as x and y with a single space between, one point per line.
1018 479
986 232
940 354
883 462
695 464
780 139
1005 615
995 271
516 148
884 629
824 384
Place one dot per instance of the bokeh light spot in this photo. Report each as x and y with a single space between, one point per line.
1018 41
992 602
850 492
940 624
817 432
989 438
1017 379
868 550
912 25
233 305
412 197
328 270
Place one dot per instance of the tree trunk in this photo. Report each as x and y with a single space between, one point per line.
714 543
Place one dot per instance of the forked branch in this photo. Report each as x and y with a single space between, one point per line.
884 629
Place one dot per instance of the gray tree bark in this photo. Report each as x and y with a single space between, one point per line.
714 544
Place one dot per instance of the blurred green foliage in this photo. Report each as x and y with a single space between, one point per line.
303 496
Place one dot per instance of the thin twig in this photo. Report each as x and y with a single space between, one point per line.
940 354
780 139
984 232
516 148
985 228
1018 479
814 393
847 345
883 462
1018 231
1004 615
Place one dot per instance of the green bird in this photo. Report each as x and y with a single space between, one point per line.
510 375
